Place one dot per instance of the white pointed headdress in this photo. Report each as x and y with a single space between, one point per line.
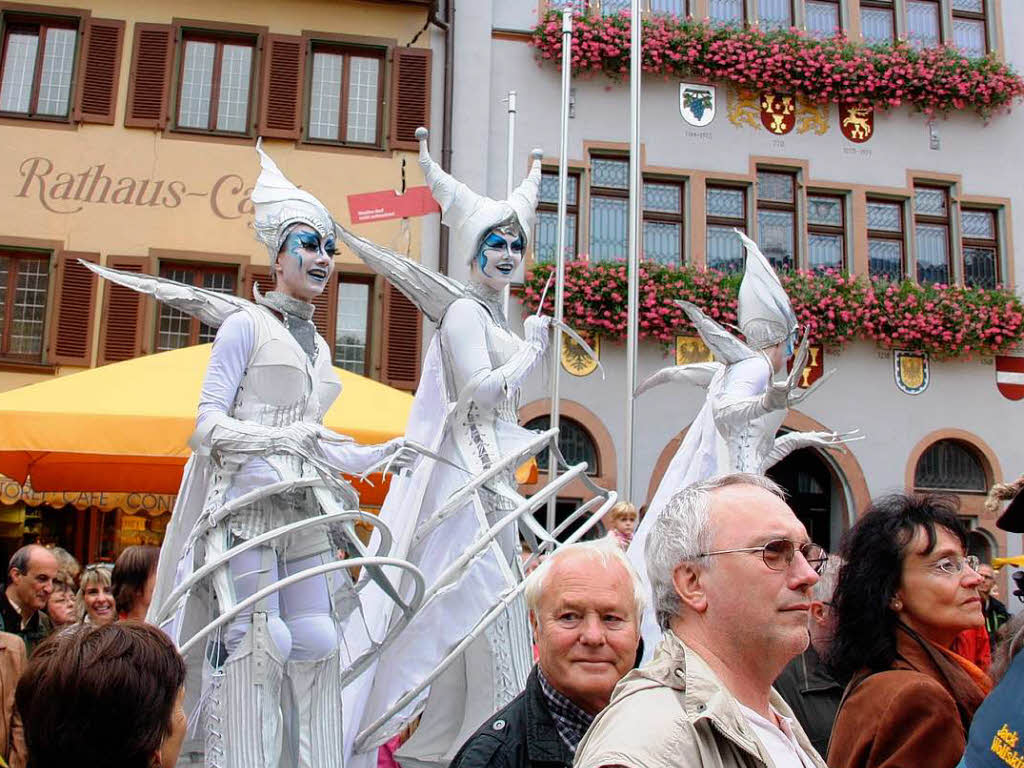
469 215
766 317
278 204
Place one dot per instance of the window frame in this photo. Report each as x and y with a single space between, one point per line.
18 255
743 21
666 216
219 33
348 46
946 221
67 19
885 234
571 209
725 221
839 17
970 450
360 279
885 5
940 9
974 16
828 229
977 242
199 268
776 205
757 15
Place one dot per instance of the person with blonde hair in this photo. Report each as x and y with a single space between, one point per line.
621 521
95 600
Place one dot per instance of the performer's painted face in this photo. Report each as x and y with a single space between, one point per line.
304 263
501 253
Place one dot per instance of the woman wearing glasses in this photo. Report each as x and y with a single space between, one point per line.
906 591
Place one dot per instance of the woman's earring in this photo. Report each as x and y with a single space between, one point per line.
897 604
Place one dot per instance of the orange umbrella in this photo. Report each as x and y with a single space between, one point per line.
125 426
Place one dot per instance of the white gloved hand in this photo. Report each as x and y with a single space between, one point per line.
535 331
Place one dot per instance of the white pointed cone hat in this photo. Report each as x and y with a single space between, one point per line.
278 204
765 315
470 215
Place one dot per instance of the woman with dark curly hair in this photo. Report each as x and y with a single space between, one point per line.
105 697
907 589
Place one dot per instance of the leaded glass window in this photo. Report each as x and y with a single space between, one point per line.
726 210
980 247
574 441
950 465
24 282
776 217
826 234
37 67
885 239
545 242
931 234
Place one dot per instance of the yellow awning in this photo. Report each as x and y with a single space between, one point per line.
999 562
125 426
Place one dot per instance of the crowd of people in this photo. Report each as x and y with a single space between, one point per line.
774 653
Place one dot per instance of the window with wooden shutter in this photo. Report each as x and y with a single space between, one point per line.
100 71
150 78
325 306
176 329
123 316
281 87
259 275
24 286
75 295
410 96
37 68
402 337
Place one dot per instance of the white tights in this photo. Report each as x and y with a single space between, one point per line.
298 617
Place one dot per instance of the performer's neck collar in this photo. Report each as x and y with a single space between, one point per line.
493 299
287 305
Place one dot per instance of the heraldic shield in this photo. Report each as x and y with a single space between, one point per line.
1010 376
911 371
697 103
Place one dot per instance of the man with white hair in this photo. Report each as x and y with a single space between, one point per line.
731 569
805 683
585 605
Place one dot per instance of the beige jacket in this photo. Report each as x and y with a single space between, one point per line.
675 713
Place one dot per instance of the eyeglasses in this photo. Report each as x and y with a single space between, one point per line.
954 566
778 554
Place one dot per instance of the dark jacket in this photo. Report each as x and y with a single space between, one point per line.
38 628
813 696
522 735
995 616
912 714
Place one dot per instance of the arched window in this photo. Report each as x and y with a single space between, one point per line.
574 441
951 465
981 544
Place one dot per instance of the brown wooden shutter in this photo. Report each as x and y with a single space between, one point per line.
122 318
150 79
400 364
100 71
281 85
326 312
410 96
259 275
75 296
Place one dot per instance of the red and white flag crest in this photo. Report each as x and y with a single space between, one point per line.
1010 376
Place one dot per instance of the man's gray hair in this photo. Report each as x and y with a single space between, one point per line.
602 550
822 591
21 559
682 533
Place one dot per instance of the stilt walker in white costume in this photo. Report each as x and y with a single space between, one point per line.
264 481
467 411
735 430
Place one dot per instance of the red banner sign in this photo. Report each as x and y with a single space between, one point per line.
389 204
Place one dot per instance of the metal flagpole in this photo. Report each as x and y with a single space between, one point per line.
563 177
633 268
509 172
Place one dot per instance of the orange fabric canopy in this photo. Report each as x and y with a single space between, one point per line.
125 426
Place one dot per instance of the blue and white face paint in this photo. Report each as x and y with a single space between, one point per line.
304 263
501 253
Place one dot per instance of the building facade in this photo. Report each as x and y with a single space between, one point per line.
929 200
129 130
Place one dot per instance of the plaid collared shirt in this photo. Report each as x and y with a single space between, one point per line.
571 722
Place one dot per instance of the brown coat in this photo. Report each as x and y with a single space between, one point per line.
906 716
12 664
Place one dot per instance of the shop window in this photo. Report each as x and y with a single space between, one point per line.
877 21
821 17
886 258
215 82
776 217
545 243
662 203
931 234
980 247
726 210
923 23
352 329
775 14
24 283
826 232
346 95
951 465
970 33
574 441
175 329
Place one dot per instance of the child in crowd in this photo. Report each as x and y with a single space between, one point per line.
621 522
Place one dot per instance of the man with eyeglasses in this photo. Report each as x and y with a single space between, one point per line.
731 570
